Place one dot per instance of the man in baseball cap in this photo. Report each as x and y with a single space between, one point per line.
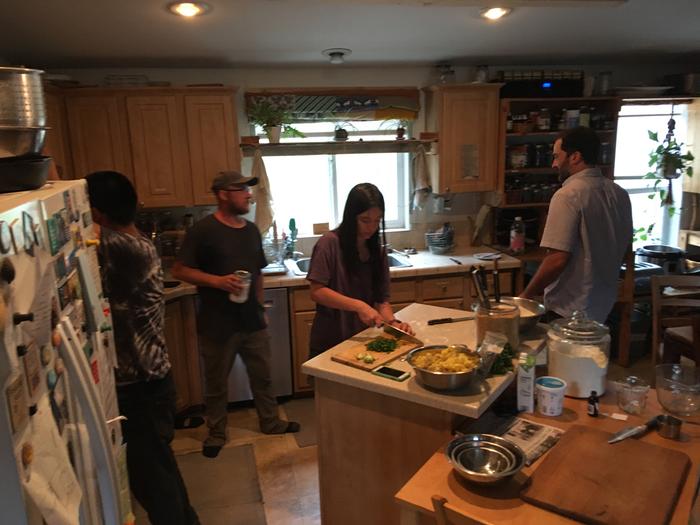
230 179
231 317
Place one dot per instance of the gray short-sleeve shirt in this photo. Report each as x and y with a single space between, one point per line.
590 217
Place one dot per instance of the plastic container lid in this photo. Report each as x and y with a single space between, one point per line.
580 329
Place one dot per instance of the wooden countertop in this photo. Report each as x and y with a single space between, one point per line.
501 505
470 405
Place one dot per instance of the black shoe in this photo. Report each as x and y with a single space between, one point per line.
211 451
292 426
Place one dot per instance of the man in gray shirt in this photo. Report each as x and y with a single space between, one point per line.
588 230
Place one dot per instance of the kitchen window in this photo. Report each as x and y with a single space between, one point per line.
313 188
632 163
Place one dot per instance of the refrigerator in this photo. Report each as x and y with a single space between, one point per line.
62 460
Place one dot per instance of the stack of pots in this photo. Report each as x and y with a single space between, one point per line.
22 129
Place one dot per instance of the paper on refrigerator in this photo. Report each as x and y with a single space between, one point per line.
51 483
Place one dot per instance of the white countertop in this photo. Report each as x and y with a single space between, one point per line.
470 405
423 263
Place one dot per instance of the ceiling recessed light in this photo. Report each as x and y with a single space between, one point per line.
189 9
336 55
494 13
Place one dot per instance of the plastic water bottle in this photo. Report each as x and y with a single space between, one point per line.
517 236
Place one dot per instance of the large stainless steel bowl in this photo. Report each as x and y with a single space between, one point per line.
485 458
21 97
444 380
15 142
533 309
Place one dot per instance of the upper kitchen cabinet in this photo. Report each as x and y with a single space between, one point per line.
98 131
159 150
56 143
466 118
212 135
170 141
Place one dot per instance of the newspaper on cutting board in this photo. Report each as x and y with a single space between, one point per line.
534 438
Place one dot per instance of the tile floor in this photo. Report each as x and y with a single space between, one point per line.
288 474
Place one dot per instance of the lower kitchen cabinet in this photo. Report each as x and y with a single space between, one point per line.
302 332
181 340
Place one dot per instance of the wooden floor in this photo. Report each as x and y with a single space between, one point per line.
288 474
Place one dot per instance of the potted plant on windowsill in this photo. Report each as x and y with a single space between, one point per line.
274 118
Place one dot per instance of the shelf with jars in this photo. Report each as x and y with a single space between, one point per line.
530 127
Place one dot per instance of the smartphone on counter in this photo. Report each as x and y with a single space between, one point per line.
391 373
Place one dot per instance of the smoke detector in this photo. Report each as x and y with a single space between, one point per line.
336 55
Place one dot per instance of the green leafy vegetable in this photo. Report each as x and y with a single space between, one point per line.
504 362
382 344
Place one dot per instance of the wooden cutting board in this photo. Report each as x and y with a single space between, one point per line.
349 355
630 482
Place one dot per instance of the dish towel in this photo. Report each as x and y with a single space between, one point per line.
264 214
421 178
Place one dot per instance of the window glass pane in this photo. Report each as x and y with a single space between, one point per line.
300 189
378 168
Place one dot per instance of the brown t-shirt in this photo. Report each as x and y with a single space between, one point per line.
332 326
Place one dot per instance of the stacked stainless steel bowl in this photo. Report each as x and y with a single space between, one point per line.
485 458
22 112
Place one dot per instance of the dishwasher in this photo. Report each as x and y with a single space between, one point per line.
277 309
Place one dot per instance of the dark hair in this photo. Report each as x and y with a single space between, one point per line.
581 139
113 195
361 198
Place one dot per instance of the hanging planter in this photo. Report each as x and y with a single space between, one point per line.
668 162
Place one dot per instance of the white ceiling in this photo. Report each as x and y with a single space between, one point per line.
142 33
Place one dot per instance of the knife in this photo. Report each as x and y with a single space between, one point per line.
634 431
449 320
400 334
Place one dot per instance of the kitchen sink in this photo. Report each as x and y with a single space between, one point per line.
301 266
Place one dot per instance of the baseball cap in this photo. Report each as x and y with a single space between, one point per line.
228 178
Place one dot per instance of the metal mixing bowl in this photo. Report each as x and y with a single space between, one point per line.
485 458
444 380
537 310
15 142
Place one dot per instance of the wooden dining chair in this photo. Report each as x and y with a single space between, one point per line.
683 341
675 300
624 304
444 515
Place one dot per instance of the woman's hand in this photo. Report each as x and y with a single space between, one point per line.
369 315
402 326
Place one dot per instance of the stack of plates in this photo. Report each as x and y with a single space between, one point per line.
485 458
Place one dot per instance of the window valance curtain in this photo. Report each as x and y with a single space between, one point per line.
333 104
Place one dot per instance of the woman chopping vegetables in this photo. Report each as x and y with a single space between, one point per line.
349 273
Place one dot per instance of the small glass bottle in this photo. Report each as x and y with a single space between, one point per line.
509 123
517 236
593 404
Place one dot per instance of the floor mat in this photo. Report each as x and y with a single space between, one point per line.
304 412
224 490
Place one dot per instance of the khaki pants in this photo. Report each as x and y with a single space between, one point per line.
254 348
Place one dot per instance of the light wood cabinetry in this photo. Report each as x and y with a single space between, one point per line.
98 134
170 141
212 136
183 351
301 333
466 118
159 150
56 143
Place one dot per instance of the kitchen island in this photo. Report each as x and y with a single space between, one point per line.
375 433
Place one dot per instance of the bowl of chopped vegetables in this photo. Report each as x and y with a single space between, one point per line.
445 367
